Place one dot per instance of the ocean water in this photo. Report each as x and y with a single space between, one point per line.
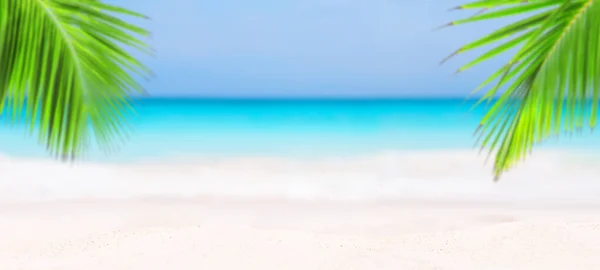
302 149
175 128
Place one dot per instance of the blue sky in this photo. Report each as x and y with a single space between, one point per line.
297 48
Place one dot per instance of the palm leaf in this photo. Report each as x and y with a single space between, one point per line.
548 83
66 68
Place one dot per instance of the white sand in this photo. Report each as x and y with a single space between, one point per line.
204 234
104 217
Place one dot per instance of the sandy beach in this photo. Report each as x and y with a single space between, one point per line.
213 234
116 223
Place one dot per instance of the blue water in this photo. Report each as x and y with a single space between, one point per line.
165 128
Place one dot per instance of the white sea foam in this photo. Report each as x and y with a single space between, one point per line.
547 176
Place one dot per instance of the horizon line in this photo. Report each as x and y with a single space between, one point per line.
305 97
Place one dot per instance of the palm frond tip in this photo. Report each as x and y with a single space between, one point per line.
68 65
548 83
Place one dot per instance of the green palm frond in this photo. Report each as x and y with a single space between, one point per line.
551 84
66 68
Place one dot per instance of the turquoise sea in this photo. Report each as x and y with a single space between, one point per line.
301 149
175 127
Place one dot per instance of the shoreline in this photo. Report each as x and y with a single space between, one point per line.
401 203
546 178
